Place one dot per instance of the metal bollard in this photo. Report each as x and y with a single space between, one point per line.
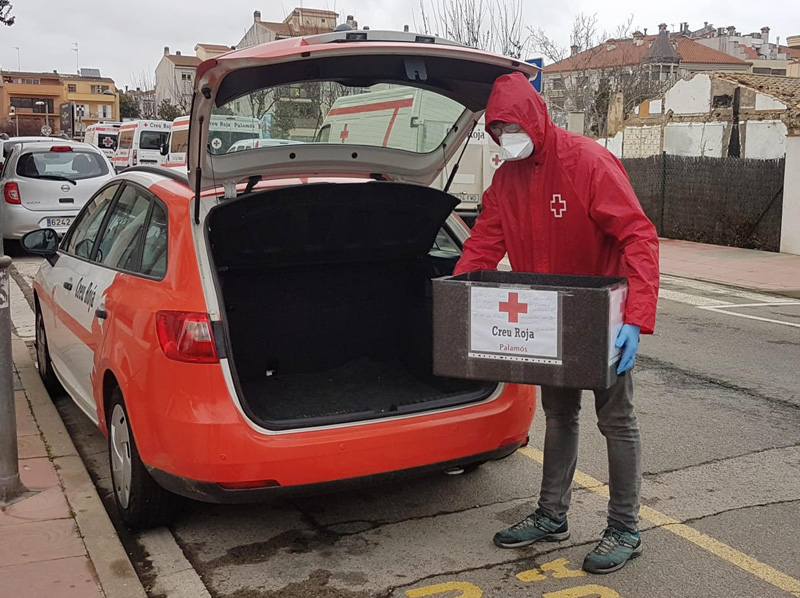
11 487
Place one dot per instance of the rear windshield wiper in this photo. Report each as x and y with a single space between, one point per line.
56 177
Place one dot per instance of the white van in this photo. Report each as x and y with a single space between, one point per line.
103 135
226 134
415 120
140 142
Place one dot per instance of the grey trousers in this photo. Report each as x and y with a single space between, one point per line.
617 422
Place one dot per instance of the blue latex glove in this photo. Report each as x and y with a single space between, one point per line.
628 341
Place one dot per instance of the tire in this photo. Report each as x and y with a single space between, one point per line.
43 363
141 502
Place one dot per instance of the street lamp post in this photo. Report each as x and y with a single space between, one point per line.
12 112
46 113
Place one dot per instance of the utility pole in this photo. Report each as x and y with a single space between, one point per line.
77 58
11 486
19 67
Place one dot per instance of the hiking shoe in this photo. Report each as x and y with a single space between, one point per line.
615 549
533 528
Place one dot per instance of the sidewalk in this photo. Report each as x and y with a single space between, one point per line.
775 273
57 540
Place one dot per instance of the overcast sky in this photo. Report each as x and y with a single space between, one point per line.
125 40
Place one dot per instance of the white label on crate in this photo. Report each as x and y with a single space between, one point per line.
515 325
616 318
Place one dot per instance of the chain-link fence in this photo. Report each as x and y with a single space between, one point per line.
723 201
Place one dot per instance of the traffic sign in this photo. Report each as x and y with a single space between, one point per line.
46 130
537 80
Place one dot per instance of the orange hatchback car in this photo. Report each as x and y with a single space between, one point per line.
263 326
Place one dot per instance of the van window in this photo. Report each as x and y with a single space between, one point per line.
152 140
125 141
384 115
179 141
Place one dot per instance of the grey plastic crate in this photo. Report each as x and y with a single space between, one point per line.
547 329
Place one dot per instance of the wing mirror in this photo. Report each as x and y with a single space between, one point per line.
164 149
43 241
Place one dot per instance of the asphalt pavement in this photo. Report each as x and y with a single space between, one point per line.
719 408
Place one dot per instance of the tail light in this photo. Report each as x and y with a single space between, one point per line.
135 157
61 148
11 193
186 336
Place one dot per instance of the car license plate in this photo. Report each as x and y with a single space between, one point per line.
58 222
469 197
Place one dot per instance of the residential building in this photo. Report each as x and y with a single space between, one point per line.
206 51
766 57
145 102
301 21
716 114
175 75
636 67
35 99
94 98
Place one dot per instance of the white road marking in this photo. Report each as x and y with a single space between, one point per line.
723 310
691 299
720 289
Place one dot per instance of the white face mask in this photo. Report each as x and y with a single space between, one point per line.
515 146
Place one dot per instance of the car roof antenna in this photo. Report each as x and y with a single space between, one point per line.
464 149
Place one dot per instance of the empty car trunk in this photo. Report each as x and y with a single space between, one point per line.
326 291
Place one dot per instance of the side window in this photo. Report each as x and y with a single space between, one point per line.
83 235
123 230
154 257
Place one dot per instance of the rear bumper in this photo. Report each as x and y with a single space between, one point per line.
216 493
186 424
19 220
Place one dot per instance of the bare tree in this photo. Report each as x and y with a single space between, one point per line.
493 25
588 83
144 92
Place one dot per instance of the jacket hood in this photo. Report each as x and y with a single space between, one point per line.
514 100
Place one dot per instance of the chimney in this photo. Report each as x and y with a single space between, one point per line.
405 28
177 53
731 30
638 38
573 49
662 28
257 16
765 34
645 30
352 22
166 50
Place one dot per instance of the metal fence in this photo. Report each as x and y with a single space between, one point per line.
724 201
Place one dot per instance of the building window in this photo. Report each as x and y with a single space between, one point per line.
186 76
781 72
762 70
72 88
33 81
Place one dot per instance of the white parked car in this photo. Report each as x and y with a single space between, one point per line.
46 183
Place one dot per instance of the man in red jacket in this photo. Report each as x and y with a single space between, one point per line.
561 203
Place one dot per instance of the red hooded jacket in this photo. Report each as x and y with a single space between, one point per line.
567 209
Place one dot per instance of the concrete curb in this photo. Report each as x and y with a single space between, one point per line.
114 569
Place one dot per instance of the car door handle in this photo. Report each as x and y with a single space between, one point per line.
68 285
101 313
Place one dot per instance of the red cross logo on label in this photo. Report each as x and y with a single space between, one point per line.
216 143
496 161
108 142
513 308
558 206
345 134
